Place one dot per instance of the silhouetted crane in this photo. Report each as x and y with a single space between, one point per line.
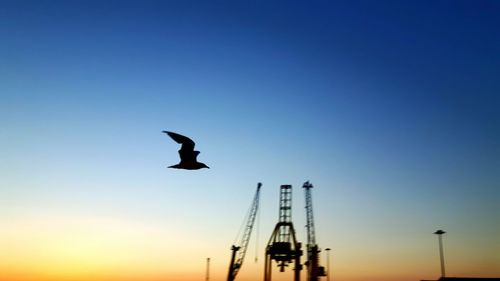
283 246
238 254
313 269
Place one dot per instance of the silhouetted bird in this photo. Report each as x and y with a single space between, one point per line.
187 153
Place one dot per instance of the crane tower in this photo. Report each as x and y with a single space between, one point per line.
283 246
314 271
238 252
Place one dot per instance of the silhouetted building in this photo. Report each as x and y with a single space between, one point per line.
465 279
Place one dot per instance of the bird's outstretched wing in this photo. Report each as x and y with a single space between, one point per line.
186 153
187 143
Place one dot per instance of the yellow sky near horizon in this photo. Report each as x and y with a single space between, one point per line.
83 248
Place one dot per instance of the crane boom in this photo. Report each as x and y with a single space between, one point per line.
238 252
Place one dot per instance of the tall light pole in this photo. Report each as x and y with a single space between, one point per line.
327 264
440 233
207 274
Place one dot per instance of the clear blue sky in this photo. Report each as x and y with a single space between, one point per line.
390 108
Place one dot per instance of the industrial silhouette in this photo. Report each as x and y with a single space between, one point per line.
186 153
283 246
466 279
285 250
239 250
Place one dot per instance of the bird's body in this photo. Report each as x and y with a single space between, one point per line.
186 153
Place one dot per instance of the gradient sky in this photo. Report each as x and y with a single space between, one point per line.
390 109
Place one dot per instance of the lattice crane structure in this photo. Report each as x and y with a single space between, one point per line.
314 271
283 246
238 252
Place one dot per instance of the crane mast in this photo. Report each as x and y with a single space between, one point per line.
314 271
283 246
238 252
311 235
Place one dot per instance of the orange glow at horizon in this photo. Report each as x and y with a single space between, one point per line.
83 248
90 249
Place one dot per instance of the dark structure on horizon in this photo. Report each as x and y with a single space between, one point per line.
283 246
314 270
440 233
466 279
239 251
443 277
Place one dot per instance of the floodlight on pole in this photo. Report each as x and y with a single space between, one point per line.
207 274
440 233
327 264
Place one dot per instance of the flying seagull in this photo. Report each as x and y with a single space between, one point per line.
187 153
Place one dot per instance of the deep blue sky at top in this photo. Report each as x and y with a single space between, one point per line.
382 89
406 64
